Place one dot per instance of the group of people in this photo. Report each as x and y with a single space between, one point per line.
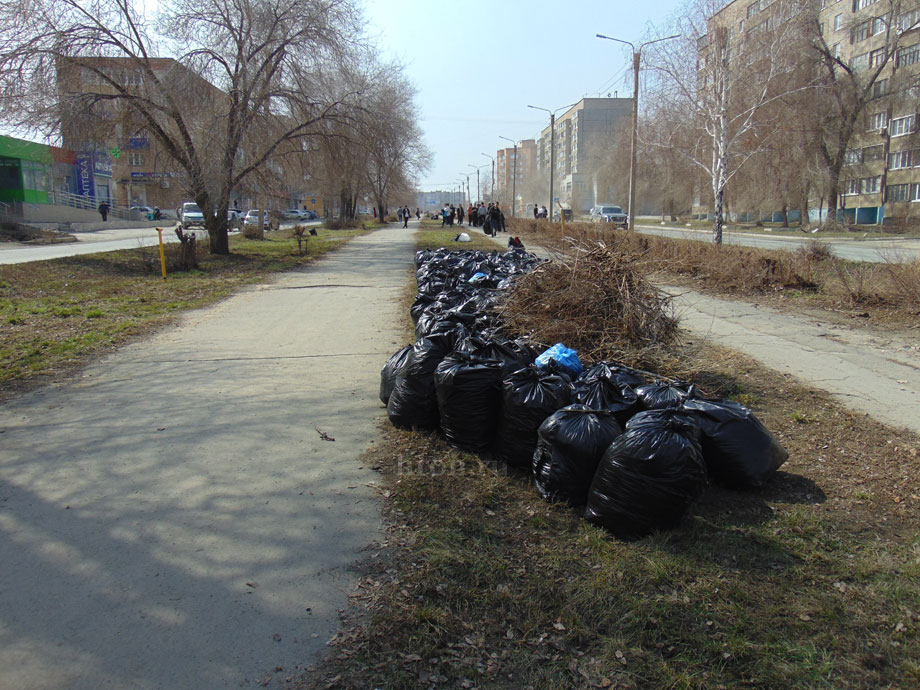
539 212
488 217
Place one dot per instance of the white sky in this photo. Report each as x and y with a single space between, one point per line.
477 64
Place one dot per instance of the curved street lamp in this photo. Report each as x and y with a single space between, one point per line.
635 117
552 148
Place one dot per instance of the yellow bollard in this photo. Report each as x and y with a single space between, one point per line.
162 253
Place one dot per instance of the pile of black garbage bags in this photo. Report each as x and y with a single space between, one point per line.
633 451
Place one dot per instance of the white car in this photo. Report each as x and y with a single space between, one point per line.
252 218
608 213
296 214
190 216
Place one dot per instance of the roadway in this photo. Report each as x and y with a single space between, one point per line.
894 249
95 241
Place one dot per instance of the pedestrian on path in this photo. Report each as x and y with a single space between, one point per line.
104 211
405 215
460 215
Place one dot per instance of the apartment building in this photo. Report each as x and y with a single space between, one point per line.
511 172
583 134
880 179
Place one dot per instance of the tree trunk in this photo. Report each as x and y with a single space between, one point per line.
804 221
717 221
785 212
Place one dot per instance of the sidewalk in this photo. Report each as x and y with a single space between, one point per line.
174 519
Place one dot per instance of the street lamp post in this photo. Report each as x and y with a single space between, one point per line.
637 52
492 193
513 175
478 188
552 148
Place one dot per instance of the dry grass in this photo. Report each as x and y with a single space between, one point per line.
887 292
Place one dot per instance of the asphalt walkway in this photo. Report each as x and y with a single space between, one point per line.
180 517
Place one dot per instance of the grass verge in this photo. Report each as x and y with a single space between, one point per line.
55 315
878 293
811 582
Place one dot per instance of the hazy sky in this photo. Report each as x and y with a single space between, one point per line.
477 64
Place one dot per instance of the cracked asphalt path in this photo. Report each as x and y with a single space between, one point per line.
875 373
174 518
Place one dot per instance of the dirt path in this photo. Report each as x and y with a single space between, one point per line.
175 519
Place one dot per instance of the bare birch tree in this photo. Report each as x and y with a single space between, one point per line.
721 81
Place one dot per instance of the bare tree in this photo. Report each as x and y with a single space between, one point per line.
233 87
722 82
850 88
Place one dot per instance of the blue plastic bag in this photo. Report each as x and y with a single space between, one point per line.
565 358
477 278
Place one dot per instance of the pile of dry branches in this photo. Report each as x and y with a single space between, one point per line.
595 299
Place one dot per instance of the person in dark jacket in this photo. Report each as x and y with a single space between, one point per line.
104 211
460 214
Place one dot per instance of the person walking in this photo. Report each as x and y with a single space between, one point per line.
536 212
418 213
104 211
405 215
460 215
470 215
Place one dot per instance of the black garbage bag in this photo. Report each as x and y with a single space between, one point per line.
599 390
468 390
570 444
529 396
621 374
390 370
738 449
660 395
649 476
413 401
512 354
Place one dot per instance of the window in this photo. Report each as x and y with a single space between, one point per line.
908 56
873 153
858 62
908 19
897 192
878 120
835 51
135 158
879 25
902 159
870 185
753 9
861 33
838 22
35 176
860 4
850 187
902 125
880 88
915 192
877 57
852 157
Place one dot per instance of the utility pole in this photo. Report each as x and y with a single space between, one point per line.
513 175
552 150
637 52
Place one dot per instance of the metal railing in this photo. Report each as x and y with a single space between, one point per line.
87 202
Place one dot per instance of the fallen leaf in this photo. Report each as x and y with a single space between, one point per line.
558 626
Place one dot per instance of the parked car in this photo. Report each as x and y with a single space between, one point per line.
252 218
296 214
567 213
234 218
608 213
190 216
